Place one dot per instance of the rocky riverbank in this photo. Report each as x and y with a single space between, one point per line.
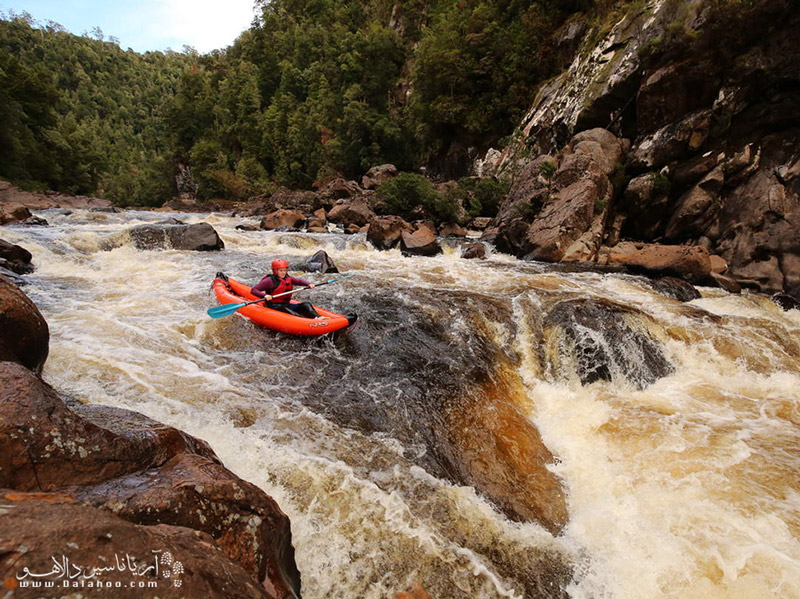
111 496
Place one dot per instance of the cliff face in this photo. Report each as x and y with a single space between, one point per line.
708 94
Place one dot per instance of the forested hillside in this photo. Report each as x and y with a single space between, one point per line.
316 87
82 116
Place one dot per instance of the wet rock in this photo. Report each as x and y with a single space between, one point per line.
24 334
14 214
676 288
15 258
421 242
785 301
603 341
727 283
479 223
352 229
35 221
247 227
12 277
319 262
718 264
318 222
142 470
377 175
199 237
194 492
385 231
502 454
45 446
355 212
510 237
170 221
36 526
690 262
452 230
292 219
471 251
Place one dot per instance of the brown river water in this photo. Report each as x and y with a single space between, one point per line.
685 488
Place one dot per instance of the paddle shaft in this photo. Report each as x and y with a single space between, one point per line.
225 310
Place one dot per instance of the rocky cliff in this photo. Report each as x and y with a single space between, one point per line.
676 123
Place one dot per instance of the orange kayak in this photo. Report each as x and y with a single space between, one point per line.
229 291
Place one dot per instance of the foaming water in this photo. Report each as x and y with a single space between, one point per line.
686 488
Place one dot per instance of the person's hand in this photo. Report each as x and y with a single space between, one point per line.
268 298
311 286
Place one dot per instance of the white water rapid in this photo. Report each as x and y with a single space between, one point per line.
685 489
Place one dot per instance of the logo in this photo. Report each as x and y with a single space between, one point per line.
126 571
319 323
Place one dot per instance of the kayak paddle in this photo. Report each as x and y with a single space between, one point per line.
227 309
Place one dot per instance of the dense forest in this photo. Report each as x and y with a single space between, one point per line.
313 88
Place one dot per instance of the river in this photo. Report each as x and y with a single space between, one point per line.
683 488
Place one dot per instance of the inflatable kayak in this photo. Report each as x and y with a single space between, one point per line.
229 291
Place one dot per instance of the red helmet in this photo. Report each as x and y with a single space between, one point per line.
276 264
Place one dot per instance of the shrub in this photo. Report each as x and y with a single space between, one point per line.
405 192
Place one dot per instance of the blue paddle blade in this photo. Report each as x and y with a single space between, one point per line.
224 310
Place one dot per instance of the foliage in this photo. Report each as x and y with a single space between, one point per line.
485 195
619 177
547 169
80 115
313 88
405 192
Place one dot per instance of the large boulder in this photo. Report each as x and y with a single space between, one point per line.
785 301
319 262
601 340
142 471
471 251
602 146
24 335
195 492
499 452
385 231
199 237
692 263
678 289
283 219
452 230
355 212
421 242
377 175
563 221
13 214
96 547
15 258
340 188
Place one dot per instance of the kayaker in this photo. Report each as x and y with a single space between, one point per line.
280 282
